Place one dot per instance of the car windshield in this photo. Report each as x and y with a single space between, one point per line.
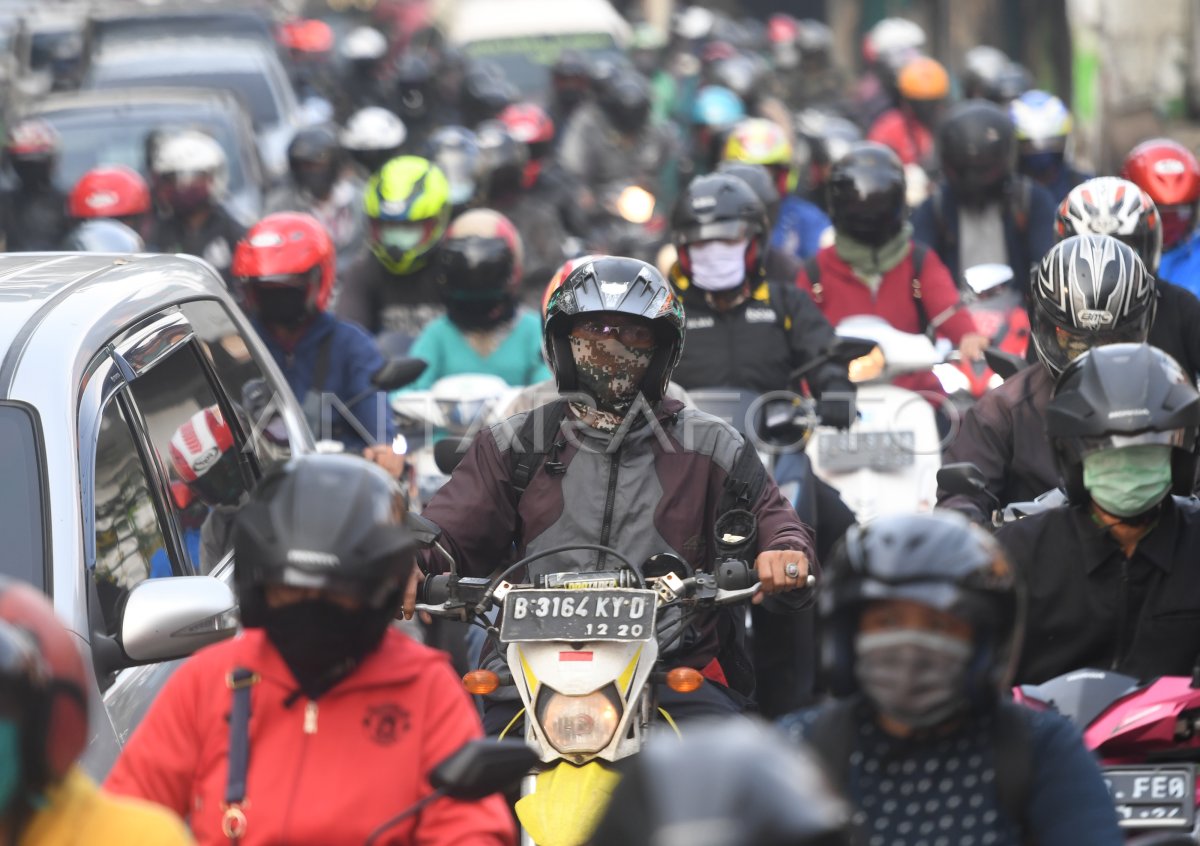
526 61
252 88
118 136
21 517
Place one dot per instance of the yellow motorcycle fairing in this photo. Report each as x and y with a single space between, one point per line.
567 803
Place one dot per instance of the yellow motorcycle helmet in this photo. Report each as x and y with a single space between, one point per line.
763 142
407 204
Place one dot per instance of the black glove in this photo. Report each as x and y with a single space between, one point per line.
837 410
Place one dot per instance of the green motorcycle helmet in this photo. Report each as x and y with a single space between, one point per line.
407 204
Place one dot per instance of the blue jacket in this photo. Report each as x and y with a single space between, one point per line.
935 222
945 786
1067 180
352 359
799 228
1182 264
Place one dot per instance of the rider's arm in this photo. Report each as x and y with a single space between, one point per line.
942 304
1068 802
363 361
159 761
985 439
447 822
780 529
809 336
474 509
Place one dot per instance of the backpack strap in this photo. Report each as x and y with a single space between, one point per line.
919 251
321 367
946 240
812 269
1013 738
527 452
1019 200
745 481
233 822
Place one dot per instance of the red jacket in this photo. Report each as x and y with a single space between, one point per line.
842 294
374 738
912 142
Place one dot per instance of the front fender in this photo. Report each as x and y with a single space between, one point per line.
567 803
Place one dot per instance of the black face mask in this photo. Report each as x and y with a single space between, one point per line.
34 173
476 315
282 306
321 642
316 181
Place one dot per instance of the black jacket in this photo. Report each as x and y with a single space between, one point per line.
756 345
34 220
1176 328
380 301
1090 606
215 241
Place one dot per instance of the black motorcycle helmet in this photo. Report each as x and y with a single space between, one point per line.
479 269
292 532
502 160
570 80
978 149
720 206
615 284
937 559
866 194
761 183
315 159
983 65
1123 395
486 92
412 87
1089 290
740 779
624 96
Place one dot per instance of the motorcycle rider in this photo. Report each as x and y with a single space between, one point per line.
1109 575
886 47
908 129
982 212
544 177
829 137
322 187
875 266
372 137
733 781
570 86
1089 290
319 685
778 266
483 329
34 215
1043 126
613 333
983 65
715 110
1112 206
285 270
391 285
115 193
45 797
188 179
802 227
486 92
412 97
455 151
1170 174
923 619
363 51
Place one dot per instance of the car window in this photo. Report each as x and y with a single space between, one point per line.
21 516
197 449
130 546
244 380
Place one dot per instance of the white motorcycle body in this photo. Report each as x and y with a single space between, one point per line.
887 461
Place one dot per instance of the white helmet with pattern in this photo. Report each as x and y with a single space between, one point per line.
1112 206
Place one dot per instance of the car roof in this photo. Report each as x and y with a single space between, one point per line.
467 21
149 97
216 54
58 309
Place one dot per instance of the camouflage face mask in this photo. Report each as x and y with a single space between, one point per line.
610 372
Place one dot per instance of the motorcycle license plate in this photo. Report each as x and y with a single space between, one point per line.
845 452
578 615
1153 797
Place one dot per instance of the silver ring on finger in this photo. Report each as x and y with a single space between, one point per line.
793 570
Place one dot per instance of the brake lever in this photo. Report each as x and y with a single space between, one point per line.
729 597
458 612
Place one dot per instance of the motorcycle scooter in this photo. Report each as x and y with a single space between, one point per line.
887 461
584 652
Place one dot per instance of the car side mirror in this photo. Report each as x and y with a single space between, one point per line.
448 453
961 478
173 617
483 767
397 373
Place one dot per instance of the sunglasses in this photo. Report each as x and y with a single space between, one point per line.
633 335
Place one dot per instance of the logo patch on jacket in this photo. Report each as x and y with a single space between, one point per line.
760 315
385 724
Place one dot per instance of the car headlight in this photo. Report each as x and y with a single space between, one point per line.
579 724
867 367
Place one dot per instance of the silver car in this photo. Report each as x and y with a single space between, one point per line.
103 360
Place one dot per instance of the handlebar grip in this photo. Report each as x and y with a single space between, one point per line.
733 574
435 590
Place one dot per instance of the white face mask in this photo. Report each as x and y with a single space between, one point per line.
718 266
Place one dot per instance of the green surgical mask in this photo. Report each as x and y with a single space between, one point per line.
1129 480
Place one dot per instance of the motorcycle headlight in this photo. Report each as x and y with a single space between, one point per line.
867 367
579 724
636 205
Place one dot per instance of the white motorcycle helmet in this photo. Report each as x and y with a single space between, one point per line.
373 136
189 169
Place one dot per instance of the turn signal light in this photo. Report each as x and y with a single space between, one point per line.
480 682
684 680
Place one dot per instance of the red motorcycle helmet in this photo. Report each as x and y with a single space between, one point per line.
115 191
1170 174
530 124
283 252
45 680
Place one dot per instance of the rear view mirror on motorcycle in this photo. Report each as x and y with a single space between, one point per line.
397 372
448 452
962 479
483 767
842 350
1004 364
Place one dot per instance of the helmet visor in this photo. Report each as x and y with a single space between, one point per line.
1171 438
403 237
720 230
